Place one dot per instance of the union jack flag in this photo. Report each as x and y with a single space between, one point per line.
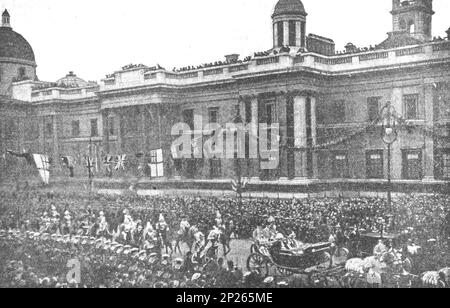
120 162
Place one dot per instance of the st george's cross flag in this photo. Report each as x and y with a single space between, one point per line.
156 164
43 165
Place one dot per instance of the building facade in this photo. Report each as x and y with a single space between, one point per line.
328 106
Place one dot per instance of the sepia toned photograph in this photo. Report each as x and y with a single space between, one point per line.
249 145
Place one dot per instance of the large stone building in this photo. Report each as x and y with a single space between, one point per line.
327 103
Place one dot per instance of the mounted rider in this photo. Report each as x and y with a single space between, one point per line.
199 241
213 240
102 225
162 230
184 227
149 237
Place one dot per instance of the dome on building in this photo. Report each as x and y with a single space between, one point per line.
72 81
289 7
13 45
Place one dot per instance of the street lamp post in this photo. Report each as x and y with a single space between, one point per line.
389 136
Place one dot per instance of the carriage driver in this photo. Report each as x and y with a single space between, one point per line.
259 235
380 249
271 229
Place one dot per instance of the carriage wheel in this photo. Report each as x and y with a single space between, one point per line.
258 263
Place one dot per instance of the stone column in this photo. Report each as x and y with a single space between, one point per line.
300 137
254 141
429 140
105 137
314 138
275 35
142 112
56 125
286 33
282 120
41 125
119 117
396 151
298 38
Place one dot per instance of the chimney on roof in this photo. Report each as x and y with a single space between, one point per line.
6 19
232 58
448 34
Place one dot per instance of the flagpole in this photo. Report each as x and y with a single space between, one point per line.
89 165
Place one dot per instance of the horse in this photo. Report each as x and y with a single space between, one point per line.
186 237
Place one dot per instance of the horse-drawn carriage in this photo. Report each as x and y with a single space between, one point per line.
388 269
288 257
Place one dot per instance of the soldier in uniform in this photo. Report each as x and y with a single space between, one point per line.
162 230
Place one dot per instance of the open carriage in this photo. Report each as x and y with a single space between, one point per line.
308 259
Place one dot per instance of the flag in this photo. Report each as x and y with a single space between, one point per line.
28 157
156 163
120 162
108 161
42 163
238 187
68 161
89 164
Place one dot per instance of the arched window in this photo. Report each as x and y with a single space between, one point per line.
411 27
402 24
21 73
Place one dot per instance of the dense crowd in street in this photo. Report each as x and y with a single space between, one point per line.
122 241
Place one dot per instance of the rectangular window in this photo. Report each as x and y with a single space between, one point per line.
374 164
269 114
111 126
292 34
411 103
248 112
94 128
188 117
412 164
445 166
213 114
373 108
340 165
75 128
337 112
48 130
280 28
215 168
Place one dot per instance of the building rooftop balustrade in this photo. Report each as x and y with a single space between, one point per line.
266 63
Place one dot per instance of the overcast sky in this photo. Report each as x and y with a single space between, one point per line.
96 37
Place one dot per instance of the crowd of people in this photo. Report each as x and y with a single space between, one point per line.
122 235
210 65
